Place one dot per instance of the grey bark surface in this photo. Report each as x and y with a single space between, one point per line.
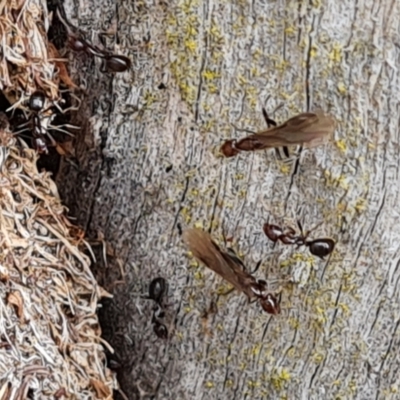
148 159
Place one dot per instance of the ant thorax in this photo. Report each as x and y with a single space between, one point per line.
259 288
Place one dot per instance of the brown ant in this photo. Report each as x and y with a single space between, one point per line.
112 62
305 128
318 247
231 268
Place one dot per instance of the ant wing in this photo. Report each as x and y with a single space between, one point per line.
244 279
310 128
208 252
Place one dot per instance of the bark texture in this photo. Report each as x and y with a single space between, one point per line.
147 160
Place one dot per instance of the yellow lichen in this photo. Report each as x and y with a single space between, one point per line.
198 275
341 145
208 74
336 54
284 168
290 30
361 205
342 88
279 378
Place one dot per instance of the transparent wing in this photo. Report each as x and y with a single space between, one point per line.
306 128
208 252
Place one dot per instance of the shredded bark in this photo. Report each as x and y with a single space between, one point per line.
49 332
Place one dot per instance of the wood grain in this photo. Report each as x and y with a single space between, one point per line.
198 68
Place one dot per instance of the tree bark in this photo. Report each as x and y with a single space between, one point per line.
148 161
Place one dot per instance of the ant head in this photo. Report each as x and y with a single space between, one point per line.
157 289
270 304
321 247
37 101
228 149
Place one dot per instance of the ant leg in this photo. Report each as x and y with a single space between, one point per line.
27 137
277 108
52 141
311 230
97 52
272 122
63 18
58 129
277 152
103 67
256 267
243 129
224 236
268 120
73 108
26 128
300 227
234 257
286 151
15 106
297 163
227 292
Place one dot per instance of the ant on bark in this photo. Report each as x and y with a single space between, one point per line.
318 247
112 62
157 290
36 104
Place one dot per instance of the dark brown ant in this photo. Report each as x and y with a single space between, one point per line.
112 62
36 105
318 247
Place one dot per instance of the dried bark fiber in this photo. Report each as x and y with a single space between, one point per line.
50 338
198 67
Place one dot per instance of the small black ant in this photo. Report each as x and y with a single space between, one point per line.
158 288
318 247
